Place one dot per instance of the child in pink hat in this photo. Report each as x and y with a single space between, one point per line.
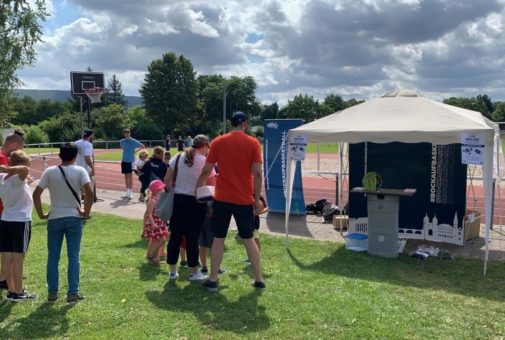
155 229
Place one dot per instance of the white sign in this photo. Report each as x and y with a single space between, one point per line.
472 148
297 146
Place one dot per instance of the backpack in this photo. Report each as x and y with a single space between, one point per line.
329 211
316 208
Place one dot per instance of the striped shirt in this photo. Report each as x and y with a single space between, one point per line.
187 176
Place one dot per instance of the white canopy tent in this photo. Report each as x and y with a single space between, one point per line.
403 116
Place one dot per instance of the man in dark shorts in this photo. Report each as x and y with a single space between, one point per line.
129 146
13 142
240 176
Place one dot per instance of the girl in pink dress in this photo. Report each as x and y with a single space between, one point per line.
155 229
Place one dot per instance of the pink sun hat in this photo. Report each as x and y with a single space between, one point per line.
156 186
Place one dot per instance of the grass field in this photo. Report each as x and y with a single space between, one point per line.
115 155
314 290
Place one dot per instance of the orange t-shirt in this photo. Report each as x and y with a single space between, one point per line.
234 153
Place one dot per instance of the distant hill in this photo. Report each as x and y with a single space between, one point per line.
62 96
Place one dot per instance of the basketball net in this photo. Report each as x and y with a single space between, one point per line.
94 94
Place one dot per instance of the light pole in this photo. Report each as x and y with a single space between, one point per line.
224 107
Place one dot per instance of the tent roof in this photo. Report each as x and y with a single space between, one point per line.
399 116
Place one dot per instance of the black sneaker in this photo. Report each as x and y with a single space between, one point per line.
25 295
204 270
259 285
210 286
221 271
74 298
3 284
52 297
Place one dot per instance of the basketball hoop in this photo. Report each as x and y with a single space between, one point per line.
94 94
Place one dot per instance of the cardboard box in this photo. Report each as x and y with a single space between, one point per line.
340 222
472 225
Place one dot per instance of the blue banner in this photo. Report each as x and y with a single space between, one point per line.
275 153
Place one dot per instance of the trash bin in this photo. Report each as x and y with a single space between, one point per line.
383 225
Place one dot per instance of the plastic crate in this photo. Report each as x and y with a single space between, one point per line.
356 242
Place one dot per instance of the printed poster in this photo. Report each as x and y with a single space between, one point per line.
472 148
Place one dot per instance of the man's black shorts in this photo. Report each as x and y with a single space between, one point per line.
15 236
221 218
126 167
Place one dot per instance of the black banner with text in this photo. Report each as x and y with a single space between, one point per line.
435 171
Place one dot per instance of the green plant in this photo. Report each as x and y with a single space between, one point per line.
35 135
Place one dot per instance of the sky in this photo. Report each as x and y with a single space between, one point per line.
353 48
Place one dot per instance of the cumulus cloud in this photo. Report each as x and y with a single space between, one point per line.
352 48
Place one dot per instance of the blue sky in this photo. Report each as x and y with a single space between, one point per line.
356 49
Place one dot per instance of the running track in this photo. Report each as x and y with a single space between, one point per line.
109 177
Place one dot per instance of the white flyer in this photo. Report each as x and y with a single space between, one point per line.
472 148
297 146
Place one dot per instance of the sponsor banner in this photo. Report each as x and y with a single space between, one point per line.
472 148
275 157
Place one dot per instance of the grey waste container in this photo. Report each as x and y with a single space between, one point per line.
383 224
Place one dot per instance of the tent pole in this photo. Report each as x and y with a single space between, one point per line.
488 192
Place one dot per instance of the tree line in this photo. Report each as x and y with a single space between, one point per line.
176 102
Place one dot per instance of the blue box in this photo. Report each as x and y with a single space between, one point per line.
356 242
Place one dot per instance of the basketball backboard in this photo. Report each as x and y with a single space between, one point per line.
81 81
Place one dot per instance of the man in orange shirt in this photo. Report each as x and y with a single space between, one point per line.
240 175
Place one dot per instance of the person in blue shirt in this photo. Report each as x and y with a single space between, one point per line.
129 146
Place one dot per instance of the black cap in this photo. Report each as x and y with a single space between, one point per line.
238 117
87 133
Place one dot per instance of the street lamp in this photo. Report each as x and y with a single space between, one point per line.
225 93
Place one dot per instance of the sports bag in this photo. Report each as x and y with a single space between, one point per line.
165 204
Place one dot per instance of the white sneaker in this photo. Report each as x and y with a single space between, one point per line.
129 196
125 195
173 276
198 277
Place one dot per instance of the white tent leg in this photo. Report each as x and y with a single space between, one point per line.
488 192
290 168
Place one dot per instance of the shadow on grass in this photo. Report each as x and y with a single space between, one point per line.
460 276
148 272
214 310
141 243
48 320
5 309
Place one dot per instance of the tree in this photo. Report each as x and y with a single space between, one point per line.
499 112
303 106
28 111
63 128
20 29
271 111
110 121
170 93
331 104
210 100
113 93
240 96
142 126
481 103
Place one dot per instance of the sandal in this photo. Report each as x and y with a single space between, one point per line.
154 261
